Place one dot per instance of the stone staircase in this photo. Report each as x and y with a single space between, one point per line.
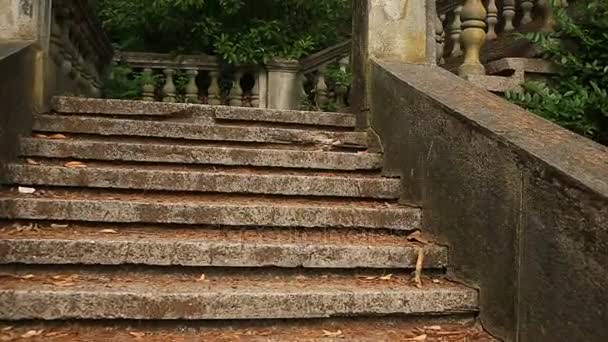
168 222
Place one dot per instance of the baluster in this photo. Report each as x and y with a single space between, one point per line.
147 85
255 91
321 89
508 13
169 87
546 10
236 93
492 20
472 38
214 91
455 32
342 89
526 10
191 87
440 39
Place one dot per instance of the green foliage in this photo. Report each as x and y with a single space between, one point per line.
123 83
577 98
240 31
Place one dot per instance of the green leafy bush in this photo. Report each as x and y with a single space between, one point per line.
239 31
577 97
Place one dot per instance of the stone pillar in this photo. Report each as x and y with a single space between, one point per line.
395 30
30 20
283 84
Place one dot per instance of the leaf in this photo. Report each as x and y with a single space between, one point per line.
202 277
387 277
32 162
433 327
416 236
58 136
26 190
32 333
55 225
327 333
7 328
137 334
41 136
27 276
75 165
108 231
419 338
56 334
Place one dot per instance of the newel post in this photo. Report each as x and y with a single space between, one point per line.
393 30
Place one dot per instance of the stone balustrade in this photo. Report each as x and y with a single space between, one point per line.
318 82
196 79
79 51
467 31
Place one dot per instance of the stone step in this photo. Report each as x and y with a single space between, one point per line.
195 131
148 207
152 294
57 244
74 105
157 152
368 329
146 177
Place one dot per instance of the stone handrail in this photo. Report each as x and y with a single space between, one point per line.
470 33
203 79
79 50
315 85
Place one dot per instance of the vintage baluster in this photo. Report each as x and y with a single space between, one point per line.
492 20
169 87
440 39
191 87
508 13
472 38
255 91
236 93
321 89
148 85
455 32
342 89
526 11
214 91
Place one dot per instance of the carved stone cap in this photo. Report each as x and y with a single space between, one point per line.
283 64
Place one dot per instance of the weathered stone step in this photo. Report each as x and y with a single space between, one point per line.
74 105
154 152
194 131
164 246
130 177
89 206
351 329
71 293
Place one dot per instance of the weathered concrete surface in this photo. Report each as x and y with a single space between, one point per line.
226 182
194 130
284 80
167 250
16 97
235 212
74 105
523 202
146 295
115 150
25 20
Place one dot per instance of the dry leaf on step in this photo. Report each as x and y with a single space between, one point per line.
40 136
75 165
137 334
433 327
56 334
387 277
419 338
327 333
57 136
27 276
202 277
32 333
26 190
108 231
7 328
417 237
32 162
55 225
418 272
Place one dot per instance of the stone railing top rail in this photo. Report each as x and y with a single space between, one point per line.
85 14
320 58
164 60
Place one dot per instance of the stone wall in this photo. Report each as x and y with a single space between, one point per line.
522 203
16 96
